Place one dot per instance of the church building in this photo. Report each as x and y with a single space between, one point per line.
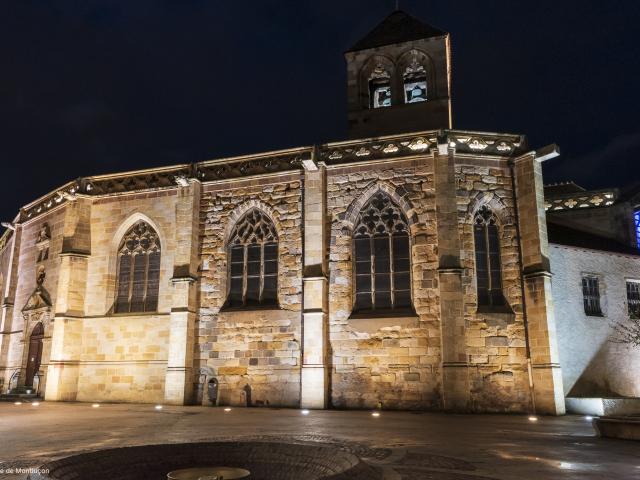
407 267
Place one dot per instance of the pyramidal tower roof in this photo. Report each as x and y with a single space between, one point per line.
398 27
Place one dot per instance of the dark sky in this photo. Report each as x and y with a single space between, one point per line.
97 86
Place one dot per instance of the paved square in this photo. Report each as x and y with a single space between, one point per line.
403 445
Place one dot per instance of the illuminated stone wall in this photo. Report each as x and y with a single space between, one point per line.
397 362
22 274
123 359
496 348
442 354
251 350
393 361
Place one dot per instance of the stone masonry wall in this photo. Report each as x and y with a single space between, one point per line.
255 354
495 341
110 219
396 362
258 348
123 359
390 361
25 284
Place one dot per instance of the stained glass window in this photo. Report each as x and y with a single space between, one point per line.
138 270
382 257
637 221
253 261
488 264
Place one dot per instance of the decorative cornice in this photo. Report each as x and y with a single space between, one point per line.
50 201
397 146
153 179
580 200
256 165
355 151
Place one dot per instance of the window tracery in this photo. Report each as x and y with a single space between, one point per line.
138 270
415 82
382 257
253 261
488 264
379 87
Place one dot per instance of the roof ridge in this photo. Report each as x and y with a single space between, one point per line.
397 27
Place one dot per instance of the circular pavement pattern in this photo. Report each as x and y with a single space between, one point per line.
265 461
299 457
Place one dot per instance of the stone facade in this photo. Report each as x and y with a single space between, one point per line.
261 348
310 348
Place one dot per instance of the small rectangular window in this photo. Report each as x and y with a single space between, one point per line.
633 298
591 296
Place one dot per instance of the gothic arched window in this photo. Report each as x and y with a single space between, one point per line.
379 88
488 265
415 83
253 261
138 270
382 257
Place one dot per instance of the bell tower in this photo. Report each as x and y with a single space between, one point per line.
399 79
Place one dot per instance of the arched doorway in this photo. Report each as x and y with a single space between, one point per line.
35 354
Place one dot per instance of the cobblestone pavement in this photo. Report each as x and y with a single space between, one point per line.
403 445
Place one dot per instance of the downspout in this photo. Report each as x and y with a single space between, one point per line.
525 318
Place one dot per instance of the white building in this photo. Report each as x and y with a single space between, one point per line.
596 285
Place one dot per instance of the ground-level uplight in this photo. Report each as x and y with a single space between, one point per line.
304 412
533 418
96 405
588 418
227 409
17 403
158 407
375 414
35 404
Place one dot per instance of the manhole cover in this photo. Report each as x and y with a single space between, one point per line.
208 473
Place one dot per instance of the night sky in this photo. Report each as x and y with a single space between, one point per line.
95 86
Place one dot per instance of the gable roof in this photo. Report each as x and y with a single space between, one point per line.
565 235
398 27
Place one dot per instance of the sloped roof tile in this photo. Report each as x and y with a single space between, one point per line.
396 28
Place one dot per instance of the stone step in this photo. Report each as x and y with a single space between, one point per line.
626 428
598 407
